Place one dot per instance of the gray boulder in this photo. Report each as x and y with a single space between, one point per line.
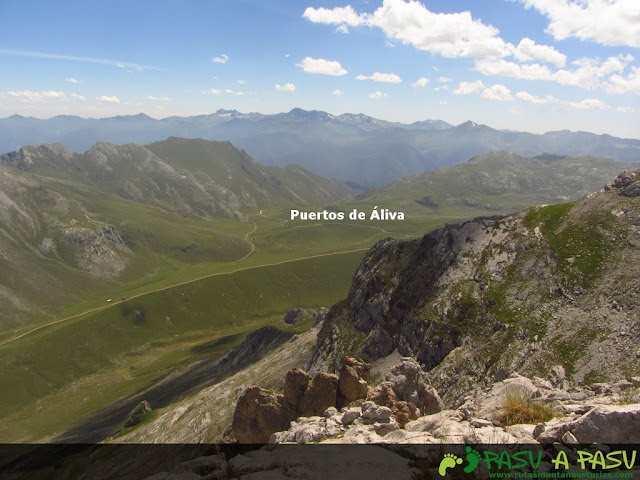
410 384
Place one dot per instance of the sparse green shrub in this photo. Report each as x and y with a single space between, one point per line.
629 396
518 406
594 376
376 379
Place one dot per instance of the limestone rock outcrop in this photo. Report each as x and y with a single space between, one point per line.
260 413
583 415
627 184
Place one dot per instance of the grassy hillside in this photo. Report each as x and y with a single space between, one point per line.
495 182
128 344
81 228
550 291
190 276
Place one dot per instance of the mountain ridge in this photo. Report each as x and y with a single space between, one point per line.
477 301
76 224
348 147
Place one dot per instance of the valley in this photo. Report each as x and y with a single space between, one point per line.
226 227
202 258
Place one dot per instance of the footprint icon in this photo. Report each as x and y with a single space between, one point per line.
449 461
473 457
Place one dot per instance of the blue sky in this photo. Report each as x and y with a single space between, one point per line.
534 65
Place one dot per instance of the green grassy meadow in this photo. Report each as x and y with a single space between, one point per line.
243 275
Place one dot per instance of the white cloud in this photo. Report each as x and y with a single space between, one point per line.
108 99
625 110
28 95
75 96
529 98
221 59
619 84
441 87
242 82
588 74
321 66
71 80
158 99
215 91
339 15
528 50
381 77
342 29
443 102
336 92
377 94
467 88
421 82
608 22
287 87
589 104
504 68
445 79
591 71
447 34
497 92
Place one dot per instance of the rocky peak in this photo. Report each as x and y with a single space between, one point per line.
627 184
476 301
30 156
397 400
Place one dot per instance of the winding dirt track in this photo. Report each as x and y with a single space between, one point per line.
255 227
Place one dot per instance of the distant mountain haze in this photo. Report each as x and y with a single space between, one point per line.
353 149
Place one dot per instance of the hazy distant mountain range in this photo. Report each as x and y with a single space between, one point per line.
354 149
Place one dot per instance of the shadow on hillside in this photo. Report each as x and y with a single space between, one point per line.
179 382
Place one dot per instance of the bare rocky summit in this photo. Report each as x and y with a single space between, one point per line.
627 184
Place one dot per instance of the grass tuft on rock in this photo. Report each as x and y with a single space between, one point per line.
518 406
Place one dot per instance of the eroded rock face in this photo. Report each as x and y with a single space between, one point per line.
295 384
352 382
138 414
609 424
101 252
296 315
321 394
404 412
627 184
483 299
581 416
410 384
258 414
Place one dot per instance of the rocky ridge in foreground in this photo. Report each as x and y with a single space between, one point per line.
405 409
